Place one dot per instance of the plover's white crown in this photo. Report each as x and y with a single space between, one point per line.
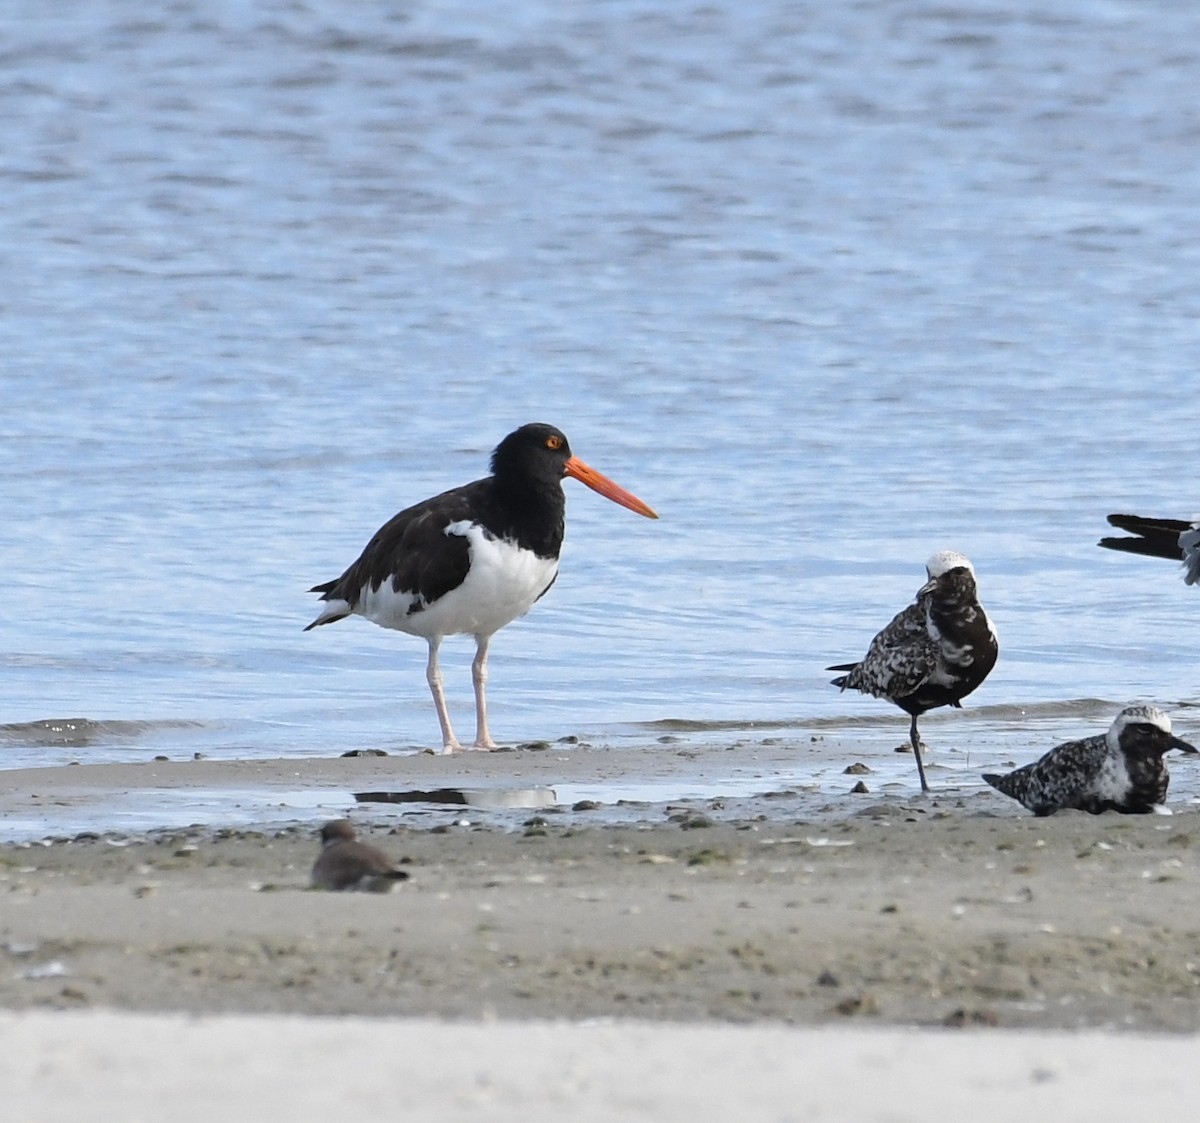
945 560
1137 715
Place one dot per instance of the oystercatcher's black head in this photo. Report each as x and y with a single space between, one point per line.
536 455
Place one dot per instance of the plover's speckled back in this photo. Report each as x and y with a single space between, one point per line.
1160 538
346 863
1121 770
934 653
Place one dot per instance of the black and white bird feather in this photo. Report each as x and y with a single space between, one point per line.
470 560
934 653
1160 538
346 863
1121 770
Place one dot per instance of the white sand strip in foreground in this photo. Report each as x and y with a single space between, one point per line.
133 1067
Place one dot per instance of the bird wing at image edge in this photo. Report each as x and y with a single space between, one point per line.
1159 538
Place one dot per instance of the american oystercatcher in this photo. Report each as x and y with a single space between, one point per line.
346 863
471 559
934 653
1160 538
1121 770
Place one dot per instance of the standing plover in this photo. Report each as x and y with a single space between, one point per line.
934 653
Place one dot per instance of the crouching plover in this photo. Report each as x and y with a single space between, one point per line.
1121 770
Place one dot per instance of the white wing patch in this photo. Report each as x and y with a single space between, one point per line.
501 584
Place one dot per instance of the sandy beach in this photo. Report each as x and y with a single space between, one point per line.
785 906
845 927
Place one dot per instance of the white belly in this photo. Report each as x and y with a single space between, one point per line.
1112 780
501 584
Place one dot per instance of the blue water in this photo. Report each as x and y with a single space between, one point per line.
830 286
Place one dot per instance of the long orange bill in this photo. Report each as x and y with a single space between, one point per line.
578 470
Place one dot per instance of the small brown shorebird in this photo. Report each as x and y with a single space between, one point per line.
346 863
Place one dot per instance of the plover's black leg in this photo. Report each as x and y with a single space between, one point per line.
915 738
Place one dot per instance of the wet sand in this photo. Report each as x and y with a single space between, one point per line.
816 908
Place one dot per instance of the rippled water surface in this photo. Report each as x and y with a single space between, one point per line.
830 286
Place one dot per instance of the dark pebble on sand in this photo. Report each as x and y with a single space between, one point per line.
961 1018
857 1005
